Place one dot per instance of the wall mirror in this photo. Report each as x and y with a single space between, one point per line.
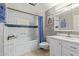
67 19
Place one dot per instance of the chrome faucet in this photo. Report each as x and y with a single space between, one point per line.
68 34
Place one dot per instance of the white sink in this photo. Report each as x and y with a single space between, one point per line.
65 38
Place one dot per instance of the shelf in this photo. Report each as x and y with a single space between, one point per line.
26 26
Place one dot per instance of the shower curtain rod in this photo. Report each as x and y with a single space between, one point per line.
21 11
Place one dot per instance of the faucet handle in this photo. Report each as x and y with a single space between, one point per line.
11 37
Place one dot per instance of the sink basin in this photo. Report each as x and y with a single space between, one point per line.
65 37
71 39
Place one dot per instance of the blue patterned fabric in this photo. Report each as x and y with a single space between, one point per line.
40 26
2 12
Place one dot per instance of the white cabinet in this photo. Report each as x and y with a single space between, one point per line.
67 52
55 47
70 48
63 47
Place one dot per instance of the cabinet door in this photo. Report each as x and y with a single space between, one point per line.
55 47
66 52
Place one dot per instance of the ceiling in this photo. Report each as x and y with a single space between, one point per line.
43 6
39 8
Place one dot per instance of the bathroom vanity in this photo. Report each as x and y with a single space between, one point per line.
63 46
66 20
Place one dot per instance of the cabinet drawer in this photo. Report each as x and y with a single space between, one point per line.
66 52
55 47
71 46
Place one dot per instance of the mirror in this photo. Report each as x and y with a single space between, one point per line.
67 21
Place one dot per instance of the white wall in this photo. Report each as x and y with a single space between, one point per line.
37 10
50 14
23 43
14 17
27 8
1 39
76 22
27 39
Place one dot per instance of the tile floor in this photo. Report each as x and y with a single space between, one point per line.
39 52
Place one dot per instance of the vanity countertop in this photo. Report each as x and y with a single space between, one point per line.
70 39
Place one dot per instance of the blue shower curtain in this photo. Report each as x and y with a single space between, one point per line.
2 12
40 27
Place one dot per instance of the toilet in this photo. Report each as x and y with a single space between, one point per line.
44 45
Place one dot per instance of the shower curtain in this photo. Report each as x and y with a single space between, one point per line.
40 27
2 12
